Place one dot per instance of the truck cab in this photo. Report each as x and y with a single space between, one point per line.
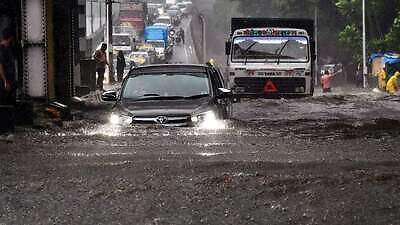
271 58
123 42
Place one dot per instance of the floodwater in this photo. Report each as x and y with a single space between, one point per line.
327 159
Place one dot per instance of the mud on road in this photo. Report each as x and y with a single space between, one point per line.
322 160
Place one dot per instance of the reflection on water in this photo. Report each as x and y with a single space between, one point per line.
209 154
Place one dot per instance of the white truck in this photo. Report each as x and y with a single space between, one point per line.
271 58
123 42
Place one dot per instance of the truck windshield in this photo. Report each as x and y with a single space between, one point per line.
121 40
268 49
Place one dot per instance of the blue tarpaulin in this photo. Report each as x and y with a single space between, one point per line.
374 56
388 58
391 58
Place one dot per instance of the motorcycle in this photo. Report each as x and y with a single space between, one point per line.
178 40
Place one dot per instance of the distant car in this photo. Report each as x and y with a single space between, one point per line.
164 20
139 58
181 5
171 95
175 13
150 49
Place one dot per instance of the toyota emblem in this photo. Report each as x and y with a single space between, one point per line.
161 119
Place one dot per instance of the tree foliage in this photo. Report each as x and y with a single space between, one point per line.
382 26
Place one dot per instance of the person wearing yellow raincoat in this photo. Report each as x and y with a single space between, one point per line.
382 79
392 85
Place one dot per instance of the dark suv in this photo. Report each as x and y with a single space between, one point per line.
171 95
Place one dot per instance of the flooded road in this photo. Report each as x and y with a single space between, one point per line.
327 159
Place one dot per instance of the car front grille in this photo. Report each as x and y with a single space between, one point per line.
164 120
256 84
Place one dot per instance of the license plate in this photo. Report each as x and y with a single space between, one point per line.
269 74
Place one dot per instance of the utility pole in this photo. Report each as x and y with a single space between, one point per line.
109 29
203 22
91 17
365 69
316 44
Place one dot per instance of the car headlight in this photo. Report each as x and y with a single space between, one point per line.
117 119
208 120
207 116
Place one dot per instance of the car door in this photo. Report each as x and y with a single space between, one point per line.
224 105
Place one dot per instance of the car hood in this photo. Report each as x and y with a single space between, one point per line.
153 108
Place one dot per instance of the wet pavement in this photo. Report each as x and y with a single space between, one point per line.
185 53
327 159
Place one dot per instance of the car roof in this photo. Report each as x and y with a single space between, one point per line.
169 68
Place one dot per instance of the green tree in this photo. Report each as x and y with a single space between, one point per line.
382 26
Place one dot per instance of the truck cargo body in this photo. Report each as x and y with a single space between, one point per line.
134 14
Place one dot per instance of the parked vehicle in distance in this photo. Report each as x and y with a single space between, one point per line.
171 95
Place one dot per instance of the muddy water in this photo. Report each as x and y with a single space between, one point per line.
328 159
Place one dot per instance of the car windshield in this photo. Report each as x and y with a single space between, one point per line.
261 49
119 40
166 85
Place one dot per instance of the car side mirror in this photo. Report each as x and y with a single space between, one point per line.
109 96
228 47
224 93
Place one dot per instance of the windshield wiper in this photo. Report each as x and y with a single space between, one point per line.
247 51
145 95
197 96
280 52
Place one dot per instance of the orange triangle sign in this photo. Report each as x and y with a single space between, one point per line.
270 87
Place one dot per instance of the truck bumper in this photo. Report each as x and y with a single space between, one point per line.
283 87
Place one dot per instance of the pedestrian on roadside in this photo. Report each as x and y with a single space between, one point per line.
7 69
326 80
121 64
392 85
182 34
101 63
382 79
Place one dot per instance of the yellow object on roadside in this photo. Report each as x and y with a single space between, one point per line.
211 62
382 79
392 86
